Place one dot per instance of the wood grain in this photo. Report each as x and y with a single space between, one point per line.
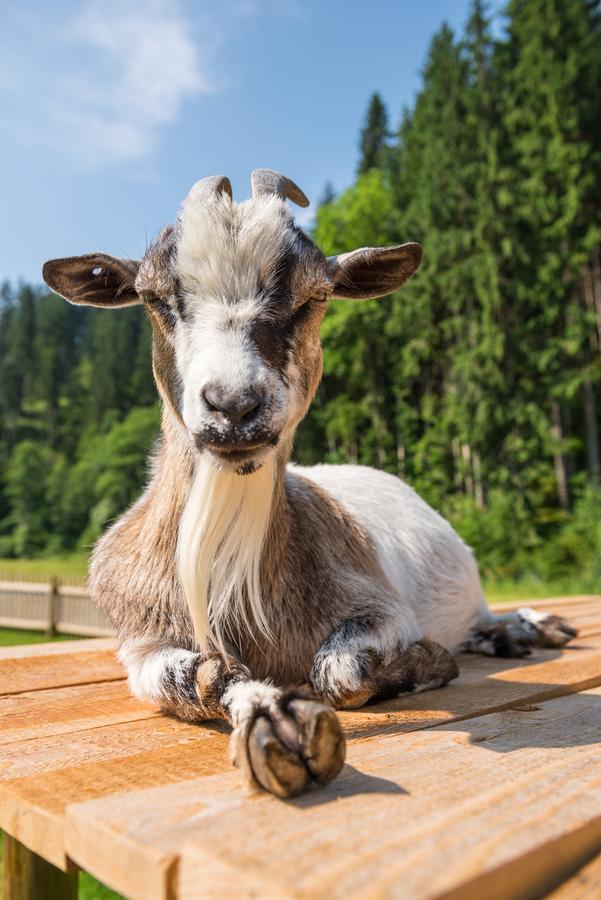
19 673
40 778
89 739
55 711
26 651
415 815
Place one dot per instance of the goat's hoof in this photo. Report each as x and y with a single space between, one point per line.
302 743
549 630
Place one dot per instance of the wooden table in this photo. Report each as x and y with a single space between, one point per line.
489 788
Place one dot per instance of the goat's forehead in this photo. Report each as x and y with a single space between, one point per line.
232 250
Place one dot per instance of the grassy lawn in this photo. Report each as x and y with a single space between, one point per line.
530 589
45 567
75 565
11 636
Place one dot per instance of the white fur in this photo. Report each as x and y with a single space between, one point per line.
146 663
431 569
220 542
244 697
223 248
225 254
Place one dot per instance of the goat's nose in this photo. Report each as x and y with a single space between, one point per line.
236 407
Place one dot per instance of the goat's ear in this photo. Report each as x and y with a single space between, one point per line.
373 271
94 279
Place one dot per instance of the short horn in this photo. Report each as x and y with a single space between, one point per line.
209 187
266 181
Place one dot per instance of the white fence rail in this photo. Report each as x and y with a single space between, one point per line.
53 607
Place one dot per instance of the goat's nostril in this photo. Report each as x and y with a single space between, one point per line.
236 407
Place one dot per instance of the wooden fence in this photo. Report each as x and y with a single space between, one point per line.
54 606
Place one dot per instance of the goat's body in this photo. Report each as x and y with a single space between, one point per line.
344 542
235 573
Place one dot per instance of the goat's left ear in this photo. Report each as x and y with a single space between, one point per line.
373 271
95 279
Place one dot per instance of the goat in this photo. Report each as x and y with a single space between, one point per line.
236 574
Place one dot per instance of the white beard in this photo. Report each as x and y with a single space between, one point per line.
222 531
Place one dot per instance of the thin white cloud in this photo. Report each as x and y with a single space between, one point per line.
100 85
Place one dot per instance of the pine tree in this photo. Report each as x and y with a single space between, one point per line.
373 142
328 195
550 179
434 210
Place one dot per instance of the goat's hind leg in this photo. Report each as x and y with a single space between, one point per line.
363 662
514 634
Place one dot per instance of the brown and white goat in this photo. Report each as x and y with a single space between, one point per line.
236 574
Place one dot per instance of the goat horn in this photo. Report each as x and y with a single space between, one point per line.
207 187
266 181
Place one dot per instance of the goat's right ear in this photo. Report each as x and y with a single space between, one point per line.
95 279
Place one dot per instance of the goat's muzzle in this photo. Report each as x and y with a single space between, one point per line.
234 448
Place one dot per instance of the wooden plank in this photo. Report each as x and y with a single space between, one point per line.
37 672
485 807
52 648
62 710
42 775
29 877
546 602
584 885
40 778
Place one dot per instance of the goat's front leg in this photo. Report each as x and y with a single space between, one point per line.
281 740
370 658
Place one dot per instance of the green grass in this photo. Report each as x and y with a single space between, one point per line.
531 589
11 636
44 567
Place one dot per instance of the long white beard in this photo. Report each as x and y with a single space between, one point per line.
220 542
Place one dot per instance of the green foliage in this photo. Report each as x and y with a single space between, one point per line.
478 382
78 419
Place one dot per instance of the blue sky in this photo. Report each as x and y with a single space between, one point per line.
111 109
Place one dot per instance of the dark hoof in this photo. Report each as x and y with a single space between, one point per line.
551 631
289 749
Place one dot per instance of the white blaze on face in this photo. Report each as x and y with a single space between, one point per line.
224 254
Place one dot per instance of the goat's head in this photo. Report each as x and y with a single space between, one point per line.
235 294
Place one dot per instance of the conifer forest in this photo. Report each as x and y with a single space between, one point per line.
479 383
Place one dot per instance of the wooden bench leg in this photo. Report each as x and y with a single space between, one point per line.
29 877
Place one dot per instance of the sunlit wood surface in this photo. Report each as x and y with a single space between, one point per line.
488 788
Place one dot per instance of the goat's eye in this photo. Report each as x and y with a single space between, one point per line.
320 296
154 300
164 309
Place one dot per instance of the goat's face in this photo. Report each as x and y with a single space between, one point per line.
236 350
235 294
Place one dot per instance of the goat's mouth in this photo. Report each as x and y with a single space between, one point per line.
242 461
242 457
